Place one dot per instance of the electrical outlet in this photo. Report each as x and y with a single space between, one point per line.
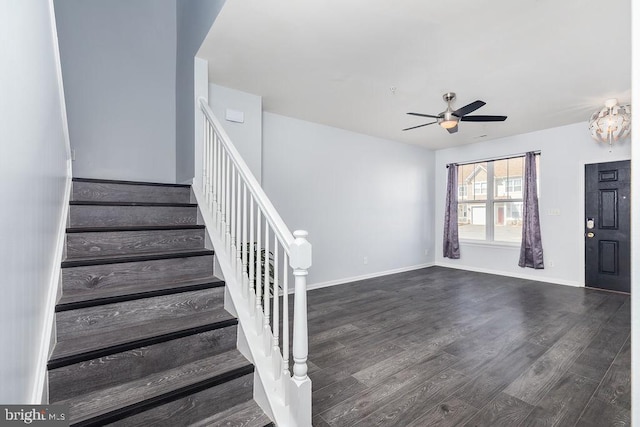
552 264
426 251
73 154
365 261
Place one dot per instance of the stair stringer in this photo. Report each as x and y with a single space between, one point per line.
270 392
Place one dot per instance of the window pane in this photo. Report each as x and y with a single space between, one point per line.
472 220
472 182
507 218
508 175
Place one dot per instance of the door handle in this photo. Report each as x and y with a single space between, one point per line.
590 235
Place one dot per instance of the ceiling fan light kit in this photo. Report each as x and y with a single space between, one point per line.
611 123
448 119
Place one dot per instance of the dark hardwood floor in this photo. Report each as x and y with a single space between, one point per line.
448 347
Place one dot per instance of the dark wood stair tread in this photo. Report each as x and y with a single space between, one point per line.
134 228
247 414
151 204
111 404
112 181
109 295
137 257
99 344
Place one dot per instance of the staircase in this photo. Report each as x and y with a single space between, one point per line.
142 334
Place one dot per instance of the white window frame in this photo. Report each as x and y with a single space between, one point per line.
490 207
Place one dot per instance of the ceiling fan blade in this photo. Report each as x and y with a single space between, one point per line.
419 126
469 108
424 115
453 129
483 118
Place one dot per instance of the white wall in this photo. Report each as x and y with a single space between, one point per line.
357 196
193 21
565 151
33 175
635 218
119 69
247 136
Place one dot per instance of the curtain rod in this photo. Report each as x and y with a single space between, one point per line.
512 156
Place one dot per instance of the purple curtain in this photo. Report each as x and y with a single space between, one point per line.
451 246
531 249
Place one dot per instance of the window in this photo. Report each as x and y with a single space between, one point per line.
491 209
480 188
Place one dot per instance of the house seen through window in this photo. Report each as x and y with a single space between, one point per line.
490 200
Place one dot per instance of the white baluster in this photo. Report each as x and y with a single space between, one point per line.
213 171
210 166
238 231
267 288
252 255
245 244
217 183
205 159
228 203
223 192
285 314
232 218
258 287
276 309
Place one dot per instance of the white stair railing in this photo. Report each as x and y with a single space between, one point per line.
263 255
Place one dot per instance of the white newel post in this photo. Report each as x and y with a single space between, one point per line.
300 261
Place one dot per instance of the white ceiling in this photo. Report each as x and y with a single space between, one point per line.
543 63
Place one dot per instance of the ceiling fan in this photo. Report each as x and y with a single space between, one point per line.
449 118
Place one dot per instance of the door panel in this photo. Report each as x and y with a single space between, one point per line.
608 257
607 226
608 209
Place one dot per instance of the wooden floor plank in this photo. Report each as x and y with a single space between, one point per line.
615 388
498 332
328 397
564 403
599 413
502 411
596 359
450 413
540 377
363 404
409 406
496 375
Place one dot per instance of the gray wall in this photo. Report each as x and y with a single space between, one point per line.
194 19
119 69
357 196
33 172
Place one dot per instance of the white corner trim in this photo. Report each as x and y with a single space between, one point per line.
367 276
511 274
63 102
48 337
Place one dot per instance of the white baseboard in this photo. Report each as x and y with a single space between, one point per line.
367 276
511 274
47 340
